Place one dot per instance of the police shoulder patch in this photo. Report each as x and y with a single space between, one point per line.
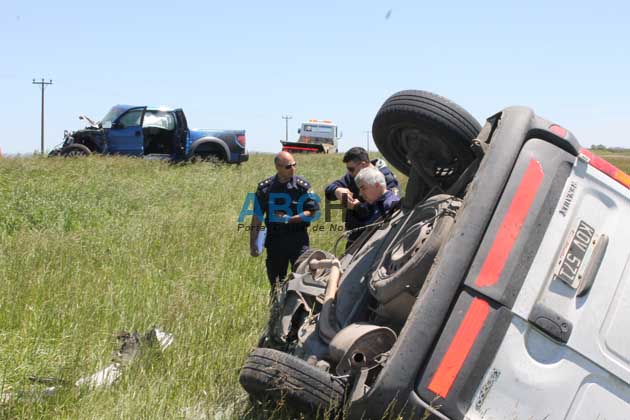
303 183
265 183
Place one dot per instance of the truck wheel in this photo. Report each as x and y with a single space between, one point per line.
425 134
270 373
409 257
74 150
207 157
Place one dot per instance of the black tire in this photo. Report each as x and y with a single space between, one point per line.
272 374
75 150
213 158
414 127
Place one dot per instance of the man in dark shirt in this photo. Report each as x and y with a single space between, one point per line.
356 159
373 190
288 208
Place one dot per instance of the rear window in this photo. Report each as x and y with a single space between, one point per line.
159 119
318 129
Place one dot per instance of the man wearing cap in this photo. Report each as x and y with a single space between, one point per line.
356 159
288 209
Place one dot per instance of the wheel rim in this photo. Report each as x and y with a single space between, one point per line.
413 237
435 158
406 247
75 153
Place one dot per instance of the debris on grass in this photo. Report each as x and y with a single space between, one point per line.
131 346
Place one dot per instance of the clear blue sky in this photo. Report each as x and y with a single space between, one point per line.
243 64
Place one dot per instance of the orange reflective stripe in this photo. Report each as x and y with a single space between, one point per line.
511 226
607 168
459 348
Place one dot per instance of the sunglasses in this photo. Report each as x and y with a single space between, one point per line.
290 165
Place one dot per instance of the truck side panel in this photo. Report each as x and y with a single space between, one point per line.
595 207
566 352
534 377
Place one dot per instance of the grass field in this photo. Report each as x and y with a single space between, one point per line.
89 247
620 159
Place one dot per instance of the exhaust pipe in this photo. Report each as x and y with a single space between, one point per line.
327 325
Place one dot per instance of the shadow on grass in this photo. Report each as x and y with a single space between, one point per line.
271 409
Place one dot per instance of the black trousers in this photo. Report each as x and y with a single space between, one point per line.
283 249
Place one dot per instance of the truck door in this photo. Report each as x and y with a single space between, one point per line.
181 134
126 137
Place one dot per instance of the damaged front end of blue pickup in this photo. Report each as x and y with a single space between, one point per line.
152 132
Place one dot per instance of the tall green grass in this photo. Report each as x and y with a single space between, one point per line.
89 247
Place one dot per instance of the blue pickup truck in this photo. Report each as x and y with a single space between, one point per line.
155 132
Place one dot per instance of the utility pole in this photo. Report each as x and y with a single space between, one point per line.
43 87
286 119
367 139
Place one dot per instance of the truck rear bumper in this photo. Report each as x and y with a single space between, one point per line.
295 147
240 157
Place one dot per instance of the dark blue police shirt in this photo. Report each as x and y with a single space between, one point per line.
382 206
295 188
354 217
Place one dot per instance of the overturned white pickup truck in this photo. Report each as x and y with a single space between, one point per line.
501 289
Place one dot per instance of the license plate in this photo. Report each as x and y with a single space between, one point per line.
578 250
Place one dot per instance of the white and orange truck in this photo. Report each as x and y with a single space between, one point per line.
316 136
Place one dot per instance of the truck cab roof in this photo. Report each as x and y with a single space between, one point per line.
126 107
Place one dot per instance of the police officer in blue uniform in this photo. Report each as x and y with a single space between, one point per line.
346 189
288 209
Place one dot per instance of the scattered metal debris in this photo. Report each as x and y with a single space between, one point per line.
104 377
131 346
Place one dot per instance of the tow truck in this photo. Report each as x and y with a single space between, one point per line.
316 136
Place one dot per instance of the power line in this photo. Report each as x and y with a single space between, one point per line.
286 119
43 85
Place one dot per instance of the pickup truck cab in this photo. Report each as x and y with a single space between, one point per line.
156 132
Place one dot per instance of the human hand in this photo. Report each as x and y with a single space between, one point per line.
253 251
339 192
352 202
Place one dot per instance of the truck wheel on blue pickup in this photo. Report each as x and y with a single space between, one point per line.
74 150
270 373
425 135
209 158
209 149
